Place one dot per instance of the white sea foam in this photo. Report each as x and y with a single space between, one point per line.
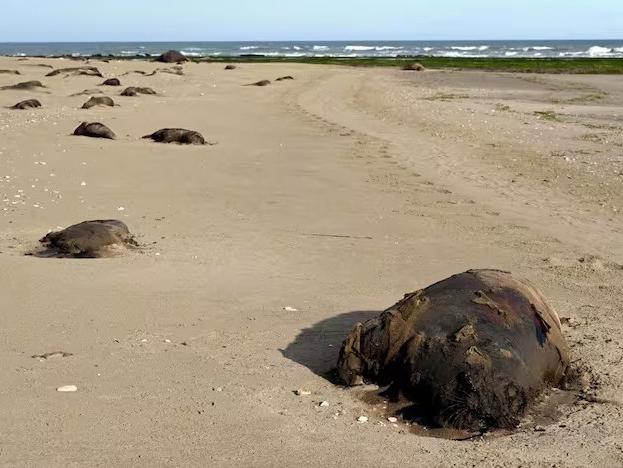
381 48
249 47
359 48
321 47
597 51
464 48
510 53
296 47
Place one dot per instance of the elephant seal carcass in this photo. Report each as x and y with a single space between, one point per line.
89 239
94 130
98 101
27 104
475 349
177 135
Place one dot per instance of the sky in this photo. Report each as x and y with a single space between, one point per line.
255 20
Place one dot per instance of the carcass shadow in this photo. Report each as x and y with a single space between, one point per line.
318 346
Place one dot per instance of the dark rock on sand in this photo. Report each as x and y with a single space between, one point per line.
283 78
27 104
99 101
177 135
94 130
25 85
230 67
414 67
172 56
10 72
89 239
135 91
473 350
85 70
259 83
111 82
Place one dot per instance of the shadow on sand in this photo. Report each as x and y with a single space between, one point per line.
318 346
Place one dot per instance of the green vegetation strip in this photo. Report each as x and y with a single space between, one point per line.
528 65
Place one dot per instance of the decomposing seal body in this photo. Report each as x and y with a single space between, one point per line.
474 349
259 83
27 104
111 82
84 70
177 135
172 56
25 85
284 78
414 66
135 91
99 101
89 238
94 130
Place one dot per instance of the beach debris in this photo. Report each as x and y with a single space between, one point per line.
177 135
30 85
259 83
176 70
27 104
98 101
301 392
230 67
84 70
415 66
283 78
67 389
54 354
392 419
290 309
135 91
475 349
89 239
323 404
111 82
363 419
94 130
172 56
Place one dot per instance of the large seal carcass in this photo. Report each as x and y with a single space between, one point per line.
474 350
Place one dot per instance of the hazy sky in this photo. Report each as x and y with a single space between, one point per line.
209 20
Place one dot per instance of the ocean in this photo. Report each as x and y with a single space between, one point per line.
535 49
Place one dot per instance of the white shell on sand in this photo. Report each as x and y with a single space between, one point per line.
67 388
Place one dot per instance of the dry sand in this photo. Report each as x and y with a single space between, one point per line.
187 353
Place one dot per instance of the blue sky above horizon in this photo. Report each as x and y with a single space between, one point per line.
250 20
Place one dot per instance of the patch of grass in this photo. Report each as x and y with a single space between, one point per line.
526 65
548 115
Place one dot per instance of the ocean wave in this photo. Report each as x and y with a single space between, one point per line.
381 48
510 53
249 47
359 48
598 51
464 48
321 47
296 47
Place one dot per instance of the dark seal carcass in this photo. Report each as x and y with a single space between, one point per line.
27 104
29 85
172 56
474 350
89 239
177 135
99 101
135 91
94 130
111 82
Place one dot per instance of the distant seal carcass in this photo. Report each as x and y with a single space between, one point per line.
135 91
474 350
177 135
89 238
98 101
111 82
172 56
27 104
94 130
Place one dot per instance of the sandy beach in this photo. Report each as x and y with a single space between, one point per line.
320 202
